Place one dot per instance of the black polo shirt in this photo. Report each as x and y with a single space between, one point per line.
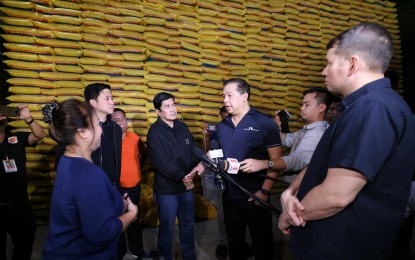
249 139
374 135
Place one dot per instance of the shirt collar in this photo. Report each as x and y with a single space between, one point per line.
165 125
315 124
371 86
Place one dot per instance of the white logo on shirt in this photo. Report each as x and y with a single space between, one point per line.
187 141
251 129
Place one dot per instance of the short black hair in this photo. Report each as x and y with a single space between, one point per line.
243 86
323 96
160 97
93 90
119 110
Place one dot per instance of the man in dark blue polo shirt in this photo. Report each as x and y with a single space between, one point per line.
246 133
350 201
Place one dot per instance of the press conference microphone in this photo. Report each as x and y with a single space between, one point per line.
220 169
215 151
199 154
230 165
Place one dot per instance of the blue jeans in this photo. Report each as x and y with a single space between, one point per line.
170 206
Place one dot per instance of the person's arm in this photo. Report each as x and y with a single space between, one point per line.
290 205
273 153
37 131
279 164
337 191
130 215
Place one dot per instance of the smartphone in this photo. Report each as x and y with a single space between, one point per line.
284 115
9 111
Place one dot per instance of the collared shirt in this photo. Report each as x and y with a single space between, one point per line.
130 165
171 153
374 135
249 139
302 143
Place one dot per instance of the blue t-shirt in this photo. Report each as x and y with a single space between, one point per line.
374 135
249 139
84 213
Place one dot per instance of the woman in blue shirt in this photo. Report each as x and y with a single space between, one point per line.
86 213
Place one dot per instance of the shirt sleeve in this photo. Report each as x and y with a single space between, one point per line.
301 156
272 136
366 141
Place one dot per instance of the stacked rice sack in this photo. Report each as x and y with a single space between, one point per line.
54 48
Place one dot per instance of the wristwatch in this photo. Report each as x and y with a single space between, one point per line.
270 164
265 192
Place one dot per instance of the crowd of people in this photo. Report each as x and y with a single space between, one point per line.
349 176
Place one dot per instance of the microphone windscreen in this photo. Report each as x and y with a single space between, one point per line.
223 165
214 145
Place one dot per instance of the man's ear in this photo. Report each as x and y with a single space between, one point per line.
158 112
245 95
322 108
354 65
93 103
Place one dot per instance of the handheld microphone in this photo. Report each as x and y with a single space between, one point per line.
215 151
231 165
220 169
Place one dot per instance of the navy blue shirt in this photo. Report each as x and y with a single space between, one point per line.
374 135
249 139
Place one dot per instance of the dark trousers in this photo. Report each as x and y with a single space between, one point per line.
134 231
170 206
240 214
402 248
17 219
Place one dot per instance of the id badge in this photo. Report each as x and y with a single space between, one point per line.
9 165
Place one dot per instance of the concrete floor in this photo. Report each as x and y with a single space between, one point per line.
205 239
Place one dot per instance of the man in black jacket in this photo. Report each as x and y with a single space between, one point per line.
108 155
170 145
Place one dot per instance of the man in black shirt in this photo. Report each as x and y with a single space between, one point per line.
170 145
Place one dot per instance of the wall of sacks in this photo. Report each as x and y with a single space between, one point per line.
53 49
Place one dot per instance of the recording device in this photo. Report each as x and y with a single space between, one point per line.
9 111
284 116
230 165
219 169
215 151
210 128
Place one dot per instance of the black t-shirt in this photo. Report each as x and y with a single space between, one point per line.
13 185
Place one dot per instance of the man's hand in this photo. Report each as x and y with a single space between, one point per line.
283 225
198 169
253 165
290 205
260 195
24 112
188 181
